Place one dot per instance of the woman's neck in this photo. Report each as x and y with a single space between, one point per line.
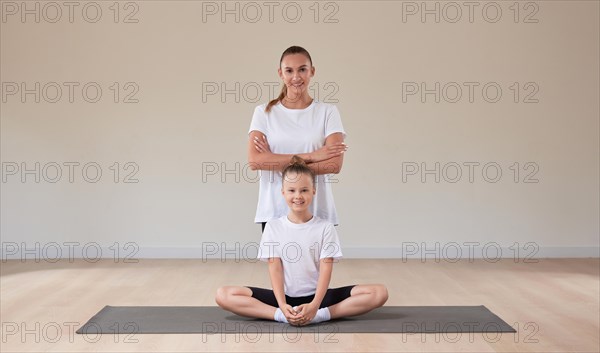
297 103
299 218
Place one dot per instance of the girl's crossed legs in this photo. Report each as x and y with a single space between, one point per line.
341 302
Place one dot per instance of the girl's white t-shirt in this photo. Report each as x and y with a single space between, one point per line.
294 131
300 248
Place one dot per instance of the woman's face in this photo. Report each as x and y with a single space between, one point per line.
296 72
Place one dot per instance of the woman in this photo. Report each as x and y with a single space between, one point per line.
295 124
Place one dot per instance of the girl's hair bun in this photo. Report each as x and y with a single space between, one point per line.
298 165
298 161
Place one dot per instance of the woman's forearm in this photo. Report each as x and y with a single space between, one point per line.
273 161
330 166
278 162
326 160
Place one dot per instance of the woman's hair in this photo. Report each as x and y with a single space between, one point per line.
291 50
298 165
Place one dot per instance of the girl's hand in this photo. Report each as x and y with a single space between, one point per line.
307 312
328 151
290 314
262 145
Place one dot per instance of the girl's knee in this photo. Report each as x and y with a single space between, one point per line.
378 294
382 294
222 296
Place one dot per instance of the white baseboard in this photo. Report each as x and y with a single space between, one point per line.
466 253
450 252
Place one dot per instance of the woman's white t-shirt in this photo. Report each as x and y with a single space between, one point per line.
300 248
295 131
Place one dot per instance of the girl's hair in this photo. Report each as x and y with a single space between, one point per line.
291 50
298 165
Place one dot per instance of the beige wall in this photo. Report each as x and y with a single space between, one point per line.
170 56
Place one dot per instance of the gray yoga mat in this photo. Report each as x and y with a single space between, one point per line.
214 320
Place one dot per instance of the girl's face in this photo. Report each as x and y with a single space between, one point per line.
296 72
298 191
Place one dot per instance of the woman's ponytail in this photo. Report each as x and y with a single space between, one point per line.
278 99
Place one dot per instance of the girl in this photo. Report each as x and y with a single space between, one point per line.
300 249
294 123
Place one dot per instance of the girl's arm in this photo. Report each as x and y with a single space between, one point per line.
309 311
276 274
260 156
325 269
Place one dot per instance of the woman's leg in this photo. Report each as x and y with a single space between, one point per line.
239 301
363 298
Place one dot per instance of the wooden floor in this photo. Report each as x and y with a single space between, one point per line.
553 304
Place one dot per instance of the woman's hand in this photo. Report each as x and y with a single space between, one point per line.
328 151
307 312
261 144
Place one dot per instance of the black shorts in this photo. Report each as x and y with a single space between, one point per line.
332 297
